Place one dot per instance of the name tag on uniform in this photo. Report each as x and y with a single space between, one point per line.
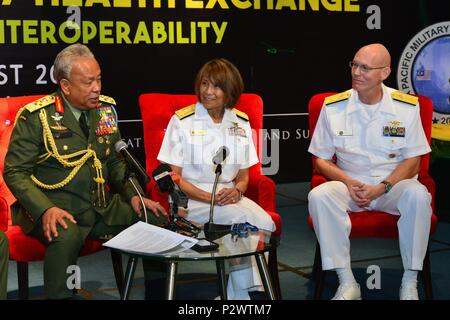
344 133
62 134
199 132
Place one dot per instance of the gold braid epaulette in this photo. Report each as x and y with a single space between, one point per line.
52 151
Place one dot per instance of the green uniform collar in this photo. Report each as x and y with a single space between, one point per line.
75 111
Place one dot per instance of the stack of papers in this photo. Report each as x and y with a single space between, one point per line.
145 238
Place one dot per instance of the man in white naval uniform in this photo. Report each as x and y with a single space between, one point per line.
377 137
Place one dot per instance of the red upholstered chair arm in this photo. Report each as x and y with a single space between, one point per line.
429 183
3 214
155 195
261 189
317 179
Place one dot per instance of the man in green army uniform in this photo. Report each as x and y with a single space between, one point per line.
62 168
4 258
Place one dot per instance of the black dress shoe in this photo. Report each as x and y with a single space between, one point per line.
257 295
155 289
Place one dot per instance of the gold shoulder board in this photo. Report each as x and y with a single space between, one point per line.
107 99
40 103
404 97
337 97
185 112
240 114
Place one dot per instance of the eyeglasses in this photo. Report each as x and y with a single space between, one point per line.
363 67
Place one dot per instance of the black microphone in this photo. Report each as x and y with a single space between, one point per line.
161 175
163 178
221 155
167 181
133 164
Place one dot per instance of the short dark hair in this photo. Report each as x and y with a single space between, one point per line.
224 75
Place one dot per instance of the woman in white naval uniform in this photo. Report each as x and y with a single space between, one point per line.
193 137
377 137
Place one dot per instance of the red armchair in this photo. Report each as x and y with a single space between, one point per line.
157 109
24 248
375 224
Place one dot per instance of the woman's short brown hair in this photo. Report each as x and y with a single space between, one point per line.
226 76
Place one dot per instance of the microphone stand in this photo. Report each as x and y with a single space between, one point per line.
132 260
172 210
177 223
214 231
129 176
218 172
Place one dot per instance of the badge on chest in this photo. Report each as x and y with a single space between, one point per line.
237 131
393 129
58 130
107 122
344 132
199 132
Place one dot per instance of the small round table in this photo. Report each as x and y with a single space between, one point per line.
256 244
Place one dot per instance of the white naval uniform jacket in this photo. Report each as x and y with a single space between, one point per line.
362 149
192 142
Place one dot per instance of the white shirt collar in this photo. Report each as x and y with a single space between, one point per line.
386 102
201 113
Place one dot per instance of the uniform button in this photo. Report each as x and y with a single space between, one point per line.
392 155
93 191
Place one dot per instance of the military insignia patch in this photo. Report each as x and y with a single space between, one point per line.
235 130
404 97
57 119
241 114
40 103
393 131
107 99
337 97
107 122
185 112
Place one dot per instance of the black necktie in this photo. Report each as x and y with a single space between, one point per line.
83 124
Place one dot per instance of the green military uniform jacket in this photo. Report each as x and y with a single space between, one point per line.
25 158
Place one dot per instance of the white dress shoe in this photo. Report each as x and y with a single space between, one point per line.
409 293
348 291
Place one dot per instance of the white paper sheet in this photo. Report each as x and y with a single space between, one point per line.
145 238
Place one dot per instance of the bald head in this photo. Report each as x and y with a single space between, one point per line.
370 67
377 54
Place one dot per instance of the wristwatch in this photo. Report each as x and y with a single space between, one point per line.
387 186
241 194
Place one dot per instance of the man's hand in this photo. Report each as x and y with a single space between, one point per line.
155 207
227 196
372 192
355 187
51 218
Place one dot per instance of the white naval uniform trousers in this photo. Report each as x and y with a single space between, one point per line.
191 143
365 154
